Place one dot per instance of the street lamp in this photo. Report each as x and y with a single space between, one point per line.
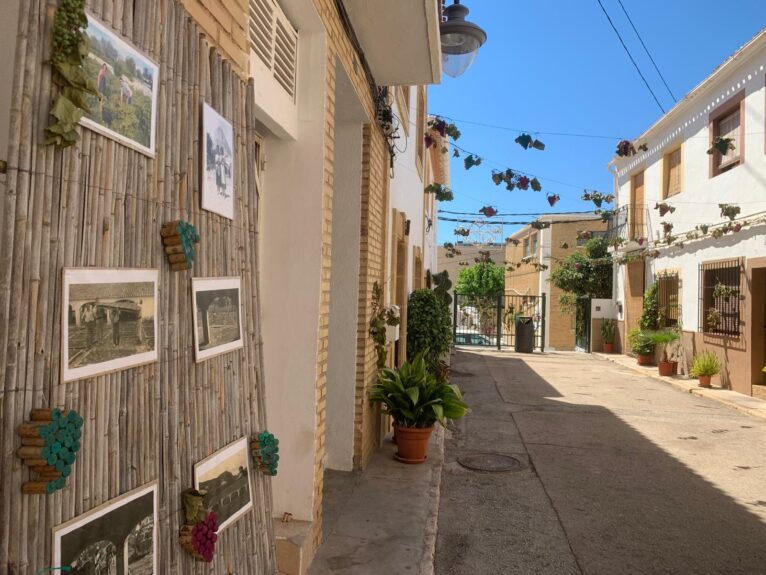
461 40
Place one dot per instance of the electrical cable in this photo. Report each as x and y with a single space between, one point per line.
647 51
627 51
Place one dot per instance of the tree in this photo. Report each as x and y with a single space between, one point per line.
481 281
587 273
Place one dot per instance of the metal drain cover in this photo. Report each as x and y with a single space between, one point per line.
489 462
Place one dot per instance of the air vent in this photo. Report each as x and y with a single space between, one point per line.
274 40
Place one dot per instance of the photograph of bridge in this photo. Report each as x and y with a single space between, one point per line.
109 321
217 316
225 476
117 537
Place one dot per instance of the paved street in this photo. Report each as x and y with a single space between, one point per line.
622 474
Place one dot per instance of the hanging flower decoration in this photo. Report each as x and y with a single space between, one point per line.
664 209
488 211
471 160
523 183
553 199
597 198
722 145
441 192
513 180
464 232
730 211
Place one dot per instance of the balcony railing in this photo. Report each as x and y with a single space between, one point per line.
630 224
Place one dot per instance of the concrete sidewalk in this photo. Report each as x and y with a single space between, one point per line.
744 403
382 520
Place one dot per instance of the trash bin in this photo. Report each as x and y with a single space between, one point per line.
525 335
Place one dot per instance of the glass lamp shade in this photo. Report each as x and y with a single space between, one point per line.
460 40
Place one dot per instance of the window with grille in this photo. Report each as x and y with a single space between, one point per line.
526 247
673 170
274 40
720 297
668 299
533 249
729 122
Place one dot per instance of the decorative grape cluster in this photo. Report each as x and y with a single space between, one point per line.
266 451
62 442
204 536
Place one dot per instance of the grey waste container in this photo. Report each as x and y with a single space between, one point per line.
525 335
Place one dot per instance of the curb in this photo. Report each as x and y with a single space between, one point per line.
426 566
757 407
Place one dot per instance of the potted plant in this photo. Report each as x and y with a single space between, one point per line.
608 328
642 346
416 401
664 339
704 366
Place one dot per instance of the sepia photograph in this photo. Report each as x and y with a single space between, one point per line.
217 316
225 476
218 156
109 320
126 81
116 538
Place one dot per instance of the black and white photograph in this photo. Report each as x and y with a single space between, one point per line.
225 476
217 316
109 320
127 82
218 156
117 537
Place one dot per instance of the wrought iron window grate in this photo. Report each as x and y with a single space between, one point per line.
720 297
668 284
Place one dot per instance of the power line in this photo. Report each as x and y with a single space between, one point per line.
536 132
503 215
648 87
647 51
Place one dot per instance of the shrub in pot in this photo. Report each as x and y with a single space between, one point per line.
429 330
642 346
608 328
664 339
416 401
704 366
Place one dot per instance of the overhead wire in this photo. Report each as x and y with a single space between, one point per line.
640 39
627 51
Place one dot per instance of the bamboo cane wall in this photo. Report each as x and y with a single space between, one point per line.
101 204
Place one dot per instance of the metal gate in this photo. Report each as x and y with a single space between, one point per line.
491 321
582 325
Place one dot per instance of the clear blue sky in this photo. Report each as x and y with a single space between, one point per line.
557 66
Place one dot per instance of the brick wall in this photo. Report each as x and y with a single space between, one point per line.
225 22
372 252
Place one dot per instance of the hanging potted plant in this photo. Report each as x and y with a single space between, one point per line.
608 328
416 402
642 345
664 339
704 366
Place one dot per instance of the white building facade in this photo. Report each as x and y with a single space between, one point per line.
694 221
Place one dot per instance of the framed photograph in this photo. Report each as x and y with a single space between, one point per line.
218 158
217 316
109 320
127 84
119 536
225 476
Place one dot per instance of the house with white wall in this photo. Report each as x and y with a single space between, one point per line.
693 219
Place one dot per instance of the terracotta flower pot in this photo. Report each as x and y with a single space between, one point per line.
668 368
412 443
704 381
609 348
645 359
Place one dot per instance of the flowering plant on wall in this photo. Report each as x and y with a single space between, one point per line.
730 211
664 209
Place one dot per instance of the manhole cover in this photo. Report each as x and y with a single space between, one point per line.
489 462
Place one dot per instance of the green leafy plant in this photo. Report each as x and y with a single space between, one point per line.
586 274
664 339
724 292
608 329
70 48
442 287
413 397
429 329
705 364
713 319
650 317
381 317
730 211
640 342
722 145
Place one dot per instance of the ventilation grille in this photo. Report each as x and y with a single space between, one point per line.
274 40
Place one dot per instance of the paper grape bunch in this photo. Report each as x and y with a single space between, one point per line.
204 536
179 238
49 446
200 533
266 452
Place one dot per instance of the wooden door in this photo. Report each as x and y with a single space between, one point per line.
637 208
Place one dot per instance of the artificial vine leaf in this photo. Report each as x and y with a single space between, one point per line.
497 178
524 140
523 183
534 183
471 161
65 111
488 211
538 145
553 198
455 153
